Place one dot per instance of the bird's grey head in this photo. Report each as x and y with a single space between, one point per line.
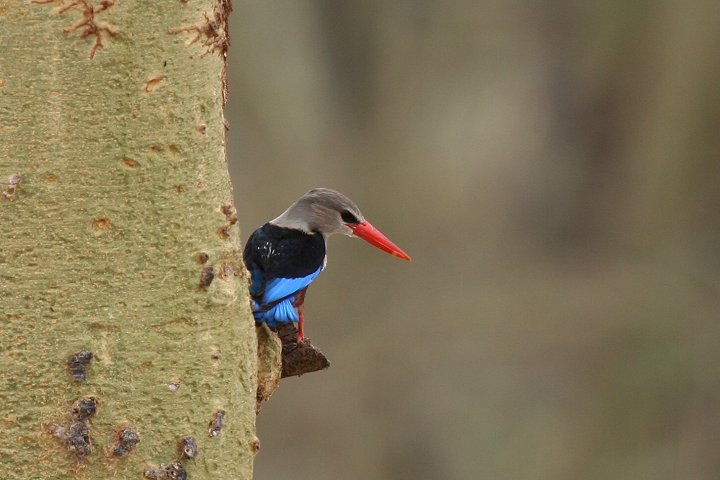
321 210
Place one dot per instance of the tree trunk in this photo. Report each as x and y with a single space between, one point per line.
123 308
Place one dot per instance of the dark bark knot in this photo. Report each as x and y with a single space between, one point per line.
171 471
78 364
206 277
84 408
127 438
76 434
187 447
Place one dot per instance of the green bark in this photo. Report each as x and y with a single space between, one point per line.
120 237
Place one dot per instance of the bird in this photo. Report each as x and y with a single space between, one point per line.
287 253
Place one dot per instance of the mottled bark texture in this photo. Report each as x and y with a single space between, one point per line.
124 319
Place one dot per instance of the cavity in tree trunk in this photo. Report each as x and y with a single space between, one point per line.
126 343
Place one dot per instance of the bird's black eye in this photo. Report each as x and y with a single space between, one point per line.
348 217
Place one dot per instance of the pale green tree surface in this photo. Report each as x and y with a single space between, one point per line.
119 236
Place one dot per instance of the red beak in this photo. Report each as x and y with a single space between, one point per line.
375 237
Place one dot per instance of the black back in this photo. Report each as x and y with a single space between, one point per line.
284 252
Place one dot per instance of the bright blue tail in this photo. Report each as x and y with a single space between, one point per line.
282 312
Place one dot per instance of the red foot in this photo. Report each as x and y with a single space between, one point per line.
301 332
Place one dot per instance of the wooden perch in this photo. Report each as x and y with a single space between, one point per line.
280 356
299 358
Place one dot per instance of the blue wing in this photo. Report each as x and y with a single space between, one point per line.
279 288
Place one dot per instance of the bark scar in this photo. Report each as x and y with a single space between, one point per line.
88 25
213 33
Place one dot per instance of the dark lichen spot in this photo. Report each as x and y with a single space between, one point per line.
201 129
77 439
255 446
76 436
206 277
78 364
172 471
202 258
127 438
187 447
216 423
175 471
84 408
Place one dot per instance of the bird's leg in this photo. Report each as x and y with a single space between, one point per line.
301 331
299 305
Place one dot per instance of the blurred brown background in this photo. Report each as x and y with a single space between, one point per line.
553 167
